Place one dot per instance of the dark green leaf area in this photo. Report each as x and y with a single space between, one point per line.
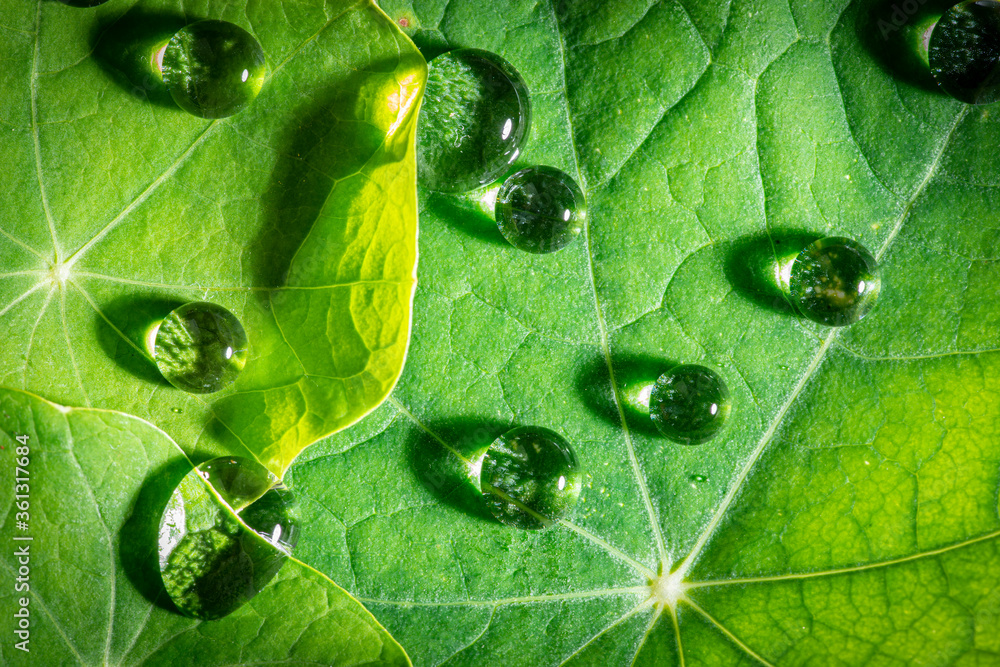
835 281
530 478
689 404
474 122
212 562
964 51
213 69
83 3
201 348
540 210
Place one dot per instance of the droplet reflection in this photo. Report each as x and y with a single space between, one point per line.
530 477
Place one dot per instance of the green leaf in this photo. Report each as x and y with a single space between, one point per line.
87 557
848 514
298 215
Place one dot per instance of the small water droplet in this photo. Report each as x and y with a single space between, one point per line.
530 478
176 411
540 210
83 3
200 347
962 51
689 404
213 69
834 281
698 478
210 563
474 120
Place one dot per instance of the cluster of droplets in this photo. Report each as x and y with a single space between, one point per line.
229 525
474 125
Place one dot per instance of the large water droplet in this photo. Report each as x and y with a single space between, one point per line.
540 210
964 51
200 347
689 404
213 69
530 477
474 121
210 562
834 281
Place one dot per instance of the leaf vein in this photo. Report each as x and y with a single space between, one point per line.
727 501
605 347
35 133
847 570
525 599
649 629
618 621
736 640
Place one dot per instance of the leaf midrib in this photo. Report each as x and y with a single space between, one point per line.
602 326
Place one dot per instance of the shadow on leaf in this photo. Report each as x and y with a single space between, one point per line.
443 473
753 264
140 534
465 216
633 374
125 48
893 32
133 316
321 152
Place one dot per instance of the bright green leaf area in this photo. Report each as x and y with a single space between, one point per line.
848 513
97 483
298 215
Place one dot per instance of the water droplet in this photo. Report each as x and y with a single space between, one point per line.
962 51
200 347
689 404
176 411
530 478
209 562
698 478
540 210
834 281
83 3
474 121
213 69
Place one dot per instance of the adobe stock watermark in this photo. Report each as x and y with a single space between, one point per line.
22 544
900 16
